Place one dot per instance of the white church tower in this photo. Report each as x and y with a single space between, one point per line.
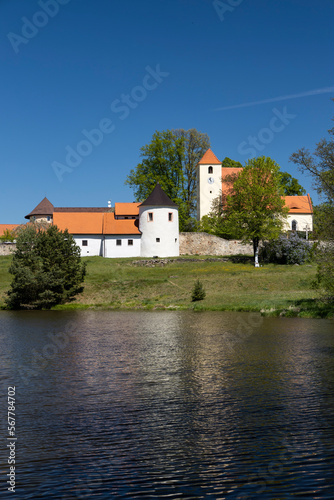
209 182
159 225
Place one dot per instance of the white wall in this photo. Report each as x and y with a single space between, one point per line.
301 219
206 192
94 244
111 249
167 231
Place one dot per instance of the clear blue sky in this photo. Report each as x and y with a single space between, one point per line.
182 62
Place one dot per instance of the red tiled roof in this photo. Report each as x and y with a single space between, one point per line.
209 158
80 209
8 227
299 204
94 223
229 171
79 223
127 208
119 226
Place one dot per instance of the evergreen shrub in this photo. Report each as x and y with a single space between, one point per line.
198 292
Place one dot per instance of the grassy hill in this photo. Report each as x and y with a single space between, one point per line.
168 283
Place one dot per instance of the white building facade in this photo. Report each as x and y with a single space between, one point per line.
148 229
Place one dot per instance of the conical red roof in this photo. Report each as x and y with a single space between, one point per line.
209 157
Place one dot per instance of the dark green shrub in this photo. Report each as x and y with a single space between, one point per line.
198 292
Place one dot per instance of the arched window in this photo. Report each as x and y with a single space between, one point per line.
294 225
210 170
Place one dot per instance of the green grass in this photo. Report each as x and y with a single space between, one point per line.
233 286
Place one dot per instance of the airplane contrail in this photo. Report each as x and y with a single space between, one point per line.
325 90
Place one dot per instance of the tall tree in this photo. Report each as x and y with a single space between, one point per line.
195 144
171 159
291 186
228 163
256 206
320 165
46 267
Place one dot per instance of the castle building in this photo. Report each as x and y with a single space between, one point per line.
211 176
148 229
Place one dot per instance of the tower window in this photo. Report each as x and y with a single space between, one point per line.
119 243
210 170
170 216
157 240
150 216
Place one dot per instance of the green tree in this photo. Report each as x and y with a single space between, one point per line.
216 223
228 163
46 267
198 292
171 159
8 235
195 144
255 207
291 186
320 165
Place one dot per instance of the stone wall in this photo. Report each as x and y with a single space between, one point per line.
7 248
208 244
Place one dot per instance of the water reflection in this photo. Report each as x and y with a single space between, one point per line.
177 404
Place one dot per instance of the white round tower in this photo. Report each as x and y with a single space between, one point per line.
159 225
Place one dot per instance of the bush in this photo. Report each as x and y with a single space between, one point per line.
198 292
324 279
286 250
46 267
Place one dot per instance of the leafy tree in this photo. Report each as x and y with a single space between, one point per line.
8 235
195 144
216 223
320 165
291 186
255 206
46 267
228 163
171 159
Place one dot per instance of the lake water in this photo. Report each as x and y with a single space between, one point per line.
149 405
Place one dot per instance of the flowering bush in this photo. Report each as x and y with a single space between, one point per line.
286 250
